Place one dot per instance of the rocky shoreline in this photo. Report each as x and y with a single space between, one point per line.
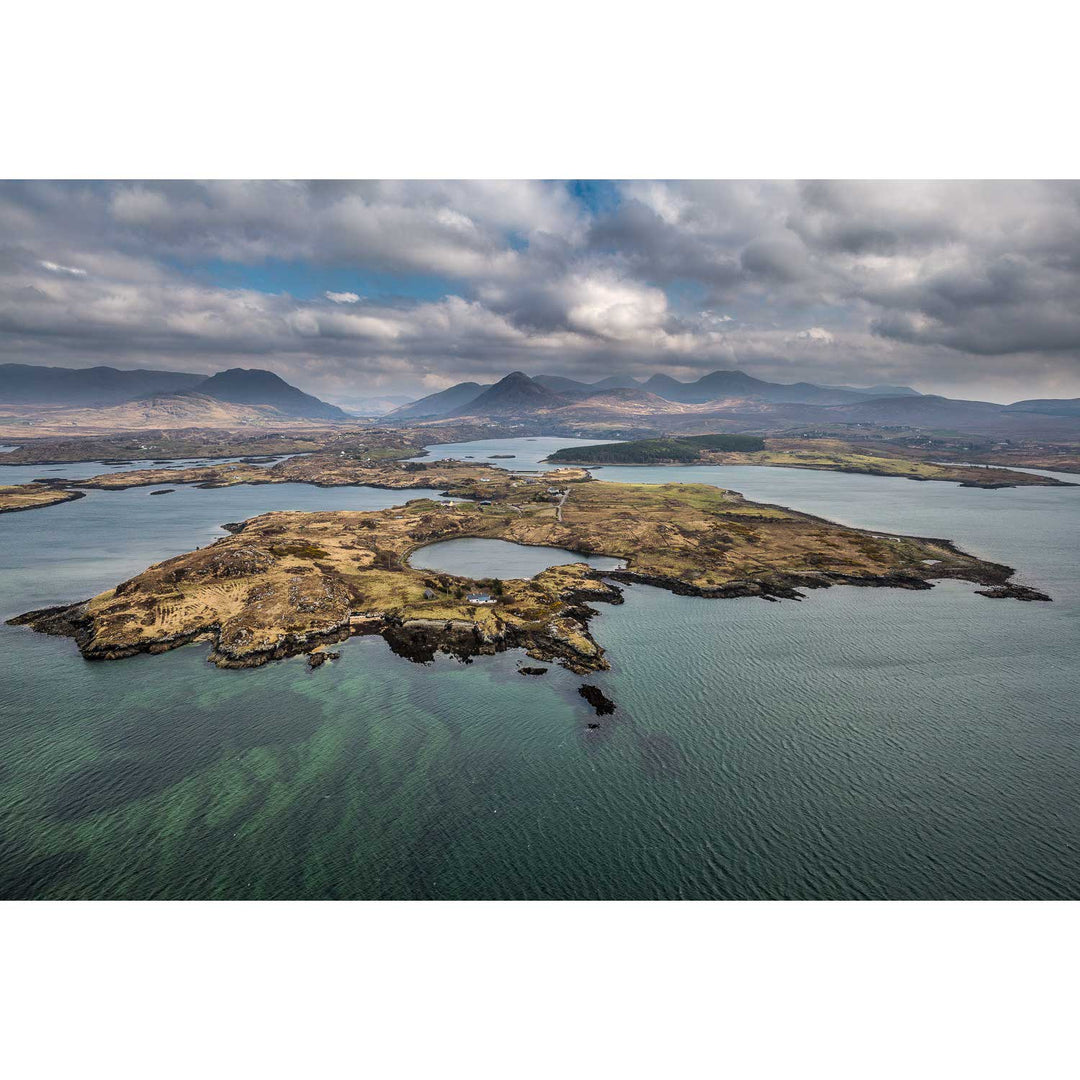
288 583
417 640
420 640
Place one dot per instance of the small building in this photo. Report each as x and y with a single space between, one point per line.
480 598
429 594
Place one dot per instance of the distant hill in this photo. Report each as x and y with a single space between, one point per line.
621 402
617 382
157 413
882 390
374 405
516 393
253 386
26 384
1046 406
665 386
442 403
53 387
721 385
926 410
562 385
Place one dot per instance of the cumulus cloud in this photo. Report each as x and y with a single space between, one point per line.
458 229
613 308
950 286
816 333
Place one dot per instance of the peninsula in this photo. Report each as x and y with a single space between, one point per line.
831 455
33 496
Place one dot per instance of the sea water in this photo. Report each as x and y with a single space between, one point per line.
862 743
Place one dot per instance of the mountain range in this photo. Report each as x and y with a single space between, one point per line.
737 401
466 398
726 400
25 384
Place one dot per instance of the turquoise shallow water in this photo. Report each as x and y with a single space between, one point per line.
862 743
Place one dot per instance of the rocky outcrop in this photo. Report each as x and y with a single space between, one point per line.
238 653
64 620
1013 592
420 640
597 699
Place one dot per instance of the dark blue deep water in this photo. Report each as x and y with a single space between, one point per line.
862 743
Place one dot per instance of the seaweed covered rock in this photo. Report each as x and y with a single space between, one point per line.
597 699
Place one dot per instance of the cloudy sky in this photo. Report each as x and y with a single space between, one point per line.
356 290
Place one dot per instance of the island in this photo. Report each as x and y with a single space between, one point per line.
292 582
831 455
665 450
